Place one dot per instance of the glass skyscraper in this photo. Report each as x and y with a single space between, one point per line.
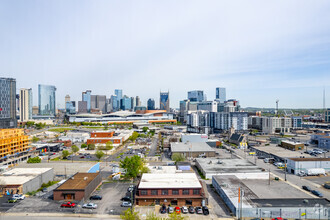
164 102
8 103
47 100
196 96
220 94
86 96
151 104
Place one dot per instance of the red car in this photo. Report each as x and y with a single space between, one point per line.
278 218
68 205
177 210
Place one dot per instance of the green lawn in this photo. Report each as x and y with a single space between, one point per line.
60 130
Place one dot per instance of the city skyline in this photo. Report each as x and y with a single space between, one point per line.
104 45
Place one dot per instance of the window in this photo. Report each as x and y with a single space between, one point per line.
188 202
175 192
174 202
144 192
154 192
196 192
164 192
185 192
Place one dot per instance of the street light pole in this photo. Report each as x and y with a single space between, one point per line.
285 169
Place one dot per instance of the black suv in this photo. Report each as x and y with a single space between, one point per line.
126 198
307 188
95 197
163 209
205 210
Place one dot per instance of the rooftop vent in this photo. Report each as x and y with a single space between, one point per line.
85 178
72 178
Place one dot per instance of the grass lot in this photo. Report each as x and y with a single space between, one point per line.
60 130
93 127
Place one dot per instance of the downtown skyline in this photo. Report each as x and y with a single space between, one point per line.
147 47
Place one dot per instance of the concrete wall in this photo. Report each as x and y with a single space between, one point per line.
296 166
256 175
36 182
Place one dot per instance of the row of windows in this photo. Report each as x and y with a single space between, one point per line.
174 192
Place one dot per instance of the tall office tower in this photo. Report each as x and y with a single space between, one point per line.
114 103
98 102
47 100
220 94
196 96
133 103
151 104
82 106
70 107
67 99
138 101
86 96
164 102
119 94
25 104
126 103
8 103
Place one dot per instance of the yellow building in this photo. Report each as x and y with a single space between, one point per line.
14 145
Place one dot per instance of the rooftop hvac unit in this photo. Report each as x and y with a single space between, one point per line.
85 178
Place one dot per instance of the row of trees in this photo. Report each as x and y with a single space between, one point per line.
131 214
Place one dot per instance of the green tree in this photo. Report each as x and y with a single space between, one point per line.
74 150
34 160
65 154
177 157
130 214
91 147
35 139
29 123
83 146
175 216
99 154
108 146
134 136
134 166
145 129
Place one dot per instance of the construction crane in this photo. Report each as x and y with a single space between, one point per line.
277 107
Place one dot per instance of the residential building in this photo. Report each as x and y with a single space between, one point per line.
138 101
126 103
114 102
255 122
24 180
220 121
296 122
198 122
211 106
175 189
47 100
25 105
70 107
220 94
151 104
327 116
98 102
8 103
164 102
119 94
133 103
14 145
82 107
273 125
86 97
78 187
231 105
196 96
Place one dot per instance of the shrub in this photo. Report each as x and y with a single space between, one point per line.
34 160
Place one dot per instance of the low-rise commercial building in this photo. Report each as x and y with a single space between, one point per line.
292 145
102 137
24 180
198 138
78 187
76 137
255 198
176 189
192 150
271 125
295 165
242 169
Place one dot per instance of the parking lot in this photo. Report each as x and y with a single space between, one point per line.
4 205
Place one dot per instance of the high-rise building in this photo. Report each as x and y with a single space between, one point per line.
327 116
119 93
25 104
133 103
196 96
86 96
126 103
67 99
164 102
70 107
82 107
220 94
114 103
138 101
8 103
35 110
47 100
98 102
151 104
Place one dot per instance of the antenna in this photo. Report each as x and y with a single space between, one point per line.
277 107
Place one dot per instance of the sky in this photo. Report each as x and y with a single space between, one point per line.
260 51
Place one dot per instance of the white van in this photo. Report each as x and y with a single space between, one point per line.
269 160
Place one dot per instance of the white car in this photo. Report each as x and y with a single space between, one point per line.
19 196
184 210
126 204
90 206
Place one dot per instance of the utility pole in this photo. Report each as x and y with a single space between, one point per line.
277 107
285 169
269 175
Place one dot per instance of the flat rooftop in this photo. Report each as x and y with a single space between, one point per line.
78 182
172 180
310 159
191 147
213 165
281 152
19 176
162 169
292 142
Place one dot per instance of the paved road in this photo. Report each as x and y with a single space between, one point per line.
153 147
293 179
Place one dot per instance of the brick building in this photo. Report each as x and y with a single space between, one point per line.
102 137
78 187
177 189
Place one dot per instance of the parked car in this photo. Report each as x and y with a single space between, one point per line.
44 189
184 210
307 188
95 197
89 206
205 210
82 157
317 193
19 196
12 200
198 210
170 209
177 210
278 218
130 188
126 204
191 209
126 198
163 209
68 205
